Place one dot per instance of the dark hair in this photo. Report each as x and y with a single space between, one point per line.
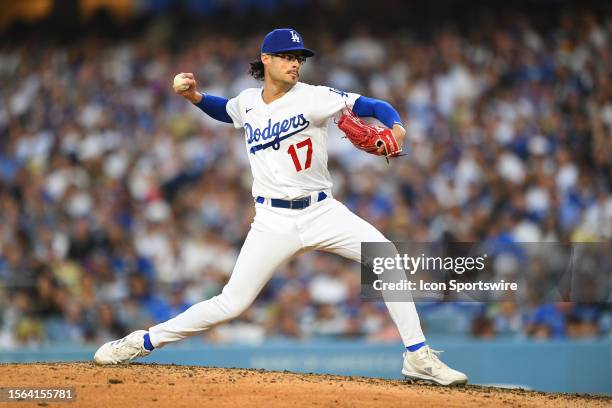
257 70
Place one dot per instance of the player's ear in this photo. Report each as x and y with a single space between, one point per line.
265 58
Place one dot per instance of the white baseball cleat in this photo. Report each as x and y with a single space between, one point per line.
123 350
424 364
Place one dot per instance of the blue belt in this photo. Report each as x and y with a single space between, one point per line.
297 204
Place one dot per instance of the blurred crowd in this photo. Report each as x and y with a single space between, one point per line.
121 204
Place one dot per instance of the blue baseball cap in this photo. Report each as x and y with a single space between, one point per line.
284 40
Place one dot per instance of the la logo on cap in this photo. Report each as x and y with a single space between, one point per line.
295 37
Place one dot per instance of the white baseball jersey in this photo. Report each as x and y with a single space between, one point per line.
286 140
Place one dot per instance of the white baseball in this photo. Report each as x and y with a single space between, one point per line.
180 83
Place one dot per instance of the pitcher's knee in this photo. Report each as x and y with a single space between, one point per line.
231 306
374 235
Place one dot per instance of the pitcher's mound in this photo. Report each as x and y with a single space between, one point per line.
152 385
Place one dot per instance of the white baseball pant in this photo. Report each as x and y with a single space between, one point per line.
276 235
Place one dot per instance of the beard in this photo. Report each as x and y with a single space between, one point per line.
287 77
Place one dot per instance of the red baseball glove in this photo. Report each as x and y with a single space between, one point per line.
368 137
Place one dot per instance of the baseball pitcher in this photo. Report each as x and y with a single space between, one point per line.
285 133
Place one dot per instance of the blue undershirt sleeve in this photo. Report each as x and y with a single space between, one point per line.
381 110
214 106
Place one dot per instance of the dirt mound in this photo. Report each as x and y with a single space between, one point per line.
149 385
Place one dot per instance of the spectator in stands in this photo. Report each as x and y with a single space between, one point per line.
509 130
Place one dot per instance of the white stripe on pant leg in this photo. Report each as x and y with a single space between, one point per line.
259 257
345 239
